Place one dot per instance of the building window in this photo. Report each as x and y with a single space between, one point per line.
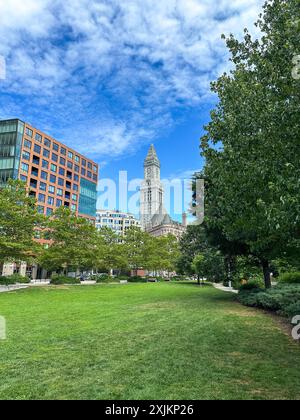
95 168
62 161
29 132
26 155
55 147
41 198
59 203
43 186
25 167
76 168
83 172
51 189
70 165
70 155
83 162
61 182
46 153
76 178
73 208
89 174
94 177
23 178
27 144
38 137
49 212
45 164
53 179
77 159
90 166
37 148
51 201
54 157
44 175
75 187
53 168
63 151
40 209
47 142
62 171
59 192
74 197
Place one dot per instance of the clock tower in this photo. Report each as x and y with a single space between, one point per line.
152 191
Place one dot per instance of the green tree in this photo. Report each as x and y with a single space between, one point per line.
73 243
18 221
192 243
168 253
198 266
253 195
137 248
111 253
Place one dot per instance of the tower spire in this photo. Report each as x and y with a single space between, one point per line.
152 158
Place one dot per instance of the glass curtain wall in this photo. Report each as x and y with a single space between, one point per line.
11 135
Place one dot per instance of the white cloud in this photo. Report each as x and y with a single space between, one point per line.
116 67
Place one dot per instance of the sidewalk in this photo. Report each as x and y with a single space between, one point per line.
12 288
225 289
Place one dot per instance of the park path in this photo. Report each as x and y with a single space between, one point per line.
224 288
4 289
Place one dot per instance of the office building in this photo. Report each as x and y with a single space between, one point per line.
54 173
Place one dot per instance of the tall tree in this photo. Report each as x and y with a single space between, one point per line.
18 220
73 243
137 247
252 142
110 253
169 253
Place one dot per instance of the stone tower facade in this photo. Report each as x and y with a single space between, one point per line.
152 191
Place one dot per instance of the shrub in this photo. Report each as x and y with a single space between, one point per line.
135 279
17 278
6 281
59 280
252 285
249 298
104 278
13 279
290 278
283 299
292 310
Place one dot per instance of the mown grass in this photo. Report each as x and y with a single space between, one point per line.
142 341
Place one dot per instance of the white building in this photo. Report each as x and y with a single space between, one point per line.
116 220
152 190
154 217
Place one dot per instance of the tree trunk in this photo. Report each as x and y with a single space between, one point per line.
199 281
267 273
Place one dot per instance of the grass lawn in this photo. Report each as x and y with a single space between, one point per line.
142 341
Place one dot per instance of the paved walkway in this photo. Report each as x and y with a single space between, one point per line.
224 289
11 288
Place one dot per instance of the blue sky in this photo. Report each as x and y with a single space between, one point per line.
110 77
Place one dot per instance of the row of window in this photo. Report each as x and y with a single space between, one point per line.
53 168
53 180
116 222
49 212
57 148
62 161
51 200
